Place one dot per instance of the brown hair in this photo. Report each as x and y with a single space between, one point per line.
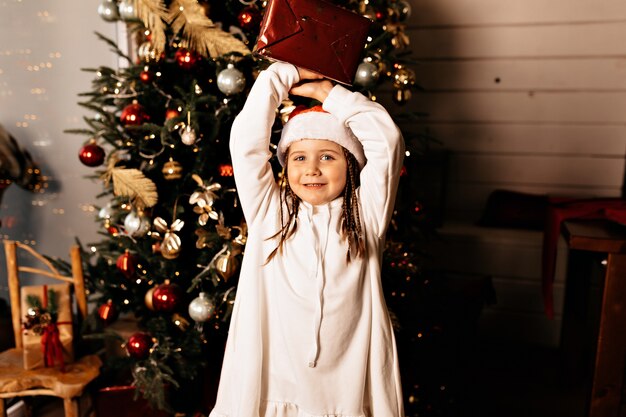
350 214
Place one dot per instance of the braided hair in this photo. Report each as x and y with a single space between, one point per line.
350 215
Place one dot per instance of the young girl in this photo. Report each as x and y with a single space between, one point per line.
310 335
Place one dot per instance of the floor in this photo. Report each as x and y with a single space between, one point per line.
502 381
522 381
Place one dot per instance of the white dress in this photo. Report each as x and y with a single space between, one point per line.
310 335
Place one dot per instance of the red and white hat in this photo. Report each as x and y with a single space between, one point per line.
316 123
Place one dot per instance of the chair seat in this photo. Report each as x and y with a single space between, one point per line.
16 381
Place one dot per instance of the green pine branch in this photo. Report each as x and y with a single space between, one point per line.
113 46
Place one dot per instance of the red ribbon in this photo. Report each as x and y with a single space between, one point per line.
51 346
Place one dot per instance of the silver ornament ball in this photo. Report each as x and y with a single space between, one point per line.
231 81
188 135
106 212
366 74
127 10
108 11
136 224
201 308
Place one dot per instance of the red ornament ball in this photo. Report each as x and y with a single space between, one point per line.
138 345
146 77
127 264
186 59
134 114
249 18
171 113
166 297
108 312
91 155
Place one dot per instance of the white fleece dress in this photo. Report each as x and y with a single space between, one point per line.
310 335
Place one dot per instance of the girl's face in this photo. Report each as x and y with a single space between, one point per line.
316 170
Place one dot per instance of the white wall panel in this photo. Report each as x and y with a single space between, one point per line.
534 74
498 12
558 40
525 107
533 139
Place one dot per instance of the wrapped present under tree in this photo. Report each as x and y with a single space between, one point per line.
47 326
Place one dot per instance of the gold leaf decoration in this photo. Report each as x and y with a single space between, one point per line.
200 33
111 162
133 184
153 14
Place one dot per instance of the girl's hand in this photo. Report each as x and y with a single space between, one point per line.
306 74
317 90
312 85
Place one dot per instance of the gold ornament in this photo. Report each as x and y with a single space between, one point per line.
204 199
171 243
206 213
403 78
226 265
402 95
180 322
171 247
400 39
172 170
242 238
147 299
225 233
204 238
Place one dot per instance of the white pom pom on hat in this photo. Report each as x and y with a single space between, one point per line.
316 123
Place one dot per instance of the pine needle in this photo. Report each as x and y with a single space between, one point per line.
86 132
132 183
153 14
113 46
200 33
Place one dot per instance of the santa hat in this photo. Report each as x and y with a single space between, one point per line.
315 123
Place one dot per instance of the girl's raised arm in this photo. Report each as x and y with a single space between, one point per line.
384 148
250 138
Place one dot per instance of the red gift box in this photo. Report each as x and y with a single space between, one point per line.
315 35
119 401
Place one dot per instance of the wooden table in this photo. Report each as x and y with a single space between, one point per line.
609 363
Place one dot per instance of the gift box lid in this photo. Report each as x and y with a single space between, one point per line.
315 35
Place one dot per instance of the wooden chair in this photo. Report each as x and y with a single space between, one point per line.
15 381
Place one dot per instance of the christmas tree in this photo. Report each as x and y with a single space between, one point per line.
173 233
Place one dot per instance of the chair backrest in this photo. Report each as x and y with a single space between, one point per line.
14 270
